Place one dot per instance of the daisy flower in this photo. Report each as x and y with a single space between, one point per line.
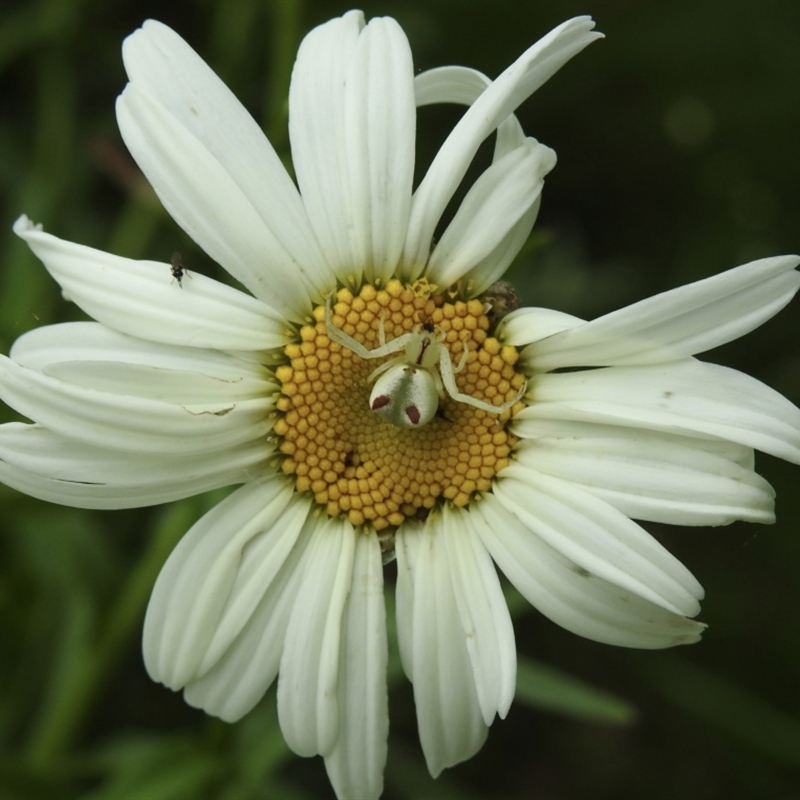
373 398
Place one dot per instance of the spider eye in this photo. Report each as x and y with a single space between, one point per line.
405 396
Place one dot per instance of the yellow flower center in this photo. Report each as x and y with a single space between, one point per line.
352 460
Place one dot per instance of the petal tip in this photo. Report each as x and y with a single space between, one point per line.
24 224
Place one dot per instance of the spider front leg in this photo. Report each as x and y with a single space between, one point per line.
448 376
345 340
462 362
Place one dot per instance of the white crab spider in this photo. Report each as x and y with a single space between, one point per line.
408 388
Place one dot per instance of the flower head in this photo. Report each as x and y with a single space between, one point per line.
373 398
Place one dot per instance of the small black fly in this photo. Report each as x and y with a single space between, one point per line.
177 269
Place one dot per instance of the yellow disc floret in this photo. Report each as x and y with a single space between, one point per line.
352 460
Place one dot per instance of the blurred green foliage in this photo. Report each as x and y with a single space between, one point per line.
677 158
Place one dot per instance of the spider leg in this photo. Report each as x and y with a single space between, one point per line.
463 360
345 340
438 381
340 337
383 367
448 376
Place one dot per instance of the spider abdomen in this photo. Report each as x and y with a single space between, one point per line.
405 395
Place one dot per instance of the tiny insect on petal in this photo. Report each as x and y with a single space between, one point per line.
178 270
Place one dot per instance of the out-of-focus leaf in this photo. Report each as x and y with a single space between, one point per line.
407 777
727 706
18 781
258 752
82 660
60 550
154 768
549 689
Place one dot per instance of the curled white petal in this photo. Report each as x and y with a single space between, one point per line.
262 558
493 207
511 88
493 266
464 85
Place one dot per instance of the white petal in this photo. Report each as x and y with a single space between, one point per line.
187 102
308 707
464 85
173 386
222 220
494 205
355 766
510 89
493 266
194 585
239 679
170 385
678 323
598 538
43 464
90 355
686 397
43 347
484 615
652 476
316 129
380 120
352 124
569 595
136 424
451 726
261 560
569 429
141 298
527 325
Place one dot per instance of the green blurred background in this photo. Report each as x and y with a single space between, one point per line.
678 158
